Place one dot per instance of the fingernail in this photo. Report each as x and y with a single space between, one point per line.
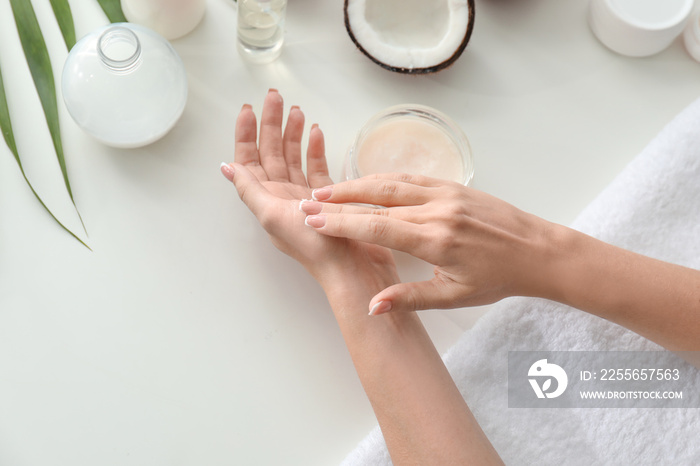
380 308
315 125
315 221
321 194
293 107
246 106
310 207
272 89
228 171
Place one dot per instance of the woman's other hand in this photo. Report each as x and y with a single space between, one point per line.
483 249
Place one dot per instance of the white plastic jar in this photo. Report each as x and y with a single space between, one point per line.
638 28
691 36
170 18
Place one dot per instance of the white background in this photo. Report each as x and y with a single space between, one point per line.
185 338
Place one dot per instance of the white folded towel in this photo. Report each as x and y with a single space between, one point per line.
652 207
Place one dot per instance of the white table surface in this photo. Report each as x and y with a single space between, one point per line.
185 338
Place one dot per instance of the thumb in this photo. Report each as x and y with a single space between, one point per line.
412 296
250 190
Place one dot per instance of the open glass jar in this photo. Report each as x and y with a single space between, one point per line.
413 139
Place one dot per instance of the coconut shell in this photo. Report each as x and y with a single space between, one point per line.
427 70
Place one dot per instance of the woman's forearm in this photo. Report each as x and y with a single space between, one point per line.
658 300
423 417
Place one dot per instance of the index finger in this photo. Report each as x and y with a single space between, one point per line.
419 180
382 230
376 191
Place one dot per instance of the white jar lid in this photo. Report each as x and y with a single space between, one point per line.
638 28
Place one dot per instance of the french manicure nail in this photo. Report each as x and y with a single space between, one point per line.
315 221
380 308
321 194
310 207
228 171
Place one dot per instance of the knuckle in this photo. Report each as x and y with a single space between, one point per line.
388 190
294 163
457 218
443 239
445 296
378 228
415 300
455 212
403 177
243 192
380 212
336 223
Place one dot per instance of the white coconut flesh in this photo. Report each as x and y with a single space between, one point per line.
409 33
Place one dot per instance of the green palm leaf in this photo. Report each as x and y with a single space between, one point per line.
40 67
113 10
61 10
6 128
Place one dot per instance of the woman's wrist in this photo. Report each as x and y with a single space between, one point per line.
548 268
359 283
355 267
594 276
350 285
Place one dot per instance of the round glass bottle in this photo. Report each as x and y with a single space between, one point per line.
125 85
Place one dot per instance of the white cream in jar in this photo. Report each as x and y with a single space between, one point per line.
411 139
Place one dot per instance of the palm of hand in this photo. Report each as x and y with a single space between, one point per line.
285 224
275 184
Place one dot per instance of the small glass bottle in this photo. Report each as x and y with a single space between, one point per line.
261 29
125 85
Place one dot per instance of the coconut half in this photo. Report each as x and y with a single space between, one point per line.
410 36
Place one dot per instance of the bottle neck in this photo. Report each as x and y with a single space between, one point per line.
119 49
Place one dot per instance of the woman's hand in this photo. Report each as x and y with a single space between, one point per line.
270 181
484 249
